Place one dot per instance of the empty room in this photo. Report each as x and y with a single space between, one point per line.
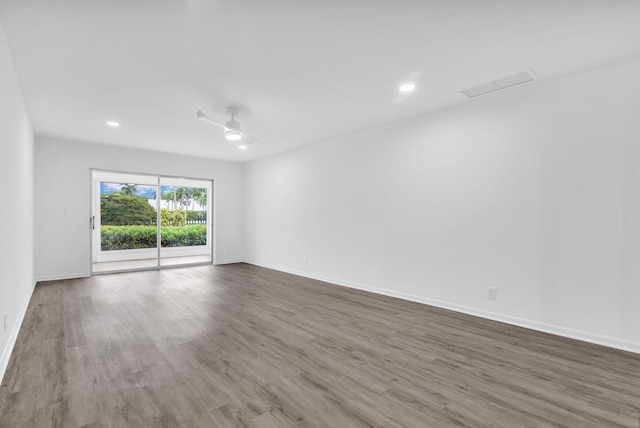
386 214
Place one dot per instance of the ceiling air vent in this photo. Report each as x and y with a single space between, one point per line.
481 90
496 85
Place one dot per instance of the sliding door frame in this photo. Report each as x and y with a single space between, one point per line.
211 221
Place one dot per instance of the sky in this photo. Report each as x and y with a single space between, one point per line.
141 190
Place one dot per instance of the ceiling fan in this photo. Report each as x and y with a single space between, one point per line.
232 130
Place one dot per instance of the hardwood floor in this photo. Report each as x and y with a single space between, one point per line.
238 345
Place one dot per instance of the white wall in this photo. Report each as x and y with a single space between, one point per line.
534 190
63 194
16 222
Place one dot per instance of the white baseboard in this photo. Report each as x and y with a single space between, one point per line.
62 276
13 337
597 339
228 261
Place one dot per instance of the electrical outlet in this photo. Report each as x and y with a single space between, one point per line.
228 251
306 261
5 322
493 293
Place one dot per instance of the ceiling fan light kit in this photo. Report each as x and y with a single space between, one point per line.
232 130
232 135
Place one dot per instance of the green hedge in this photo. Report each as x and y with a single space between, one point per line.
184 236
135 237
123 210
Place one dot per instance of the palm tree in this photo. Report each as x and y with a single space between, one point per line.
169 196
192 197
200 195
184 195
128 189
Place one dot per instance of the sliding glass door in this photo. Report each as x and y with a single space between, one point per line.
124 222
146 222
184 226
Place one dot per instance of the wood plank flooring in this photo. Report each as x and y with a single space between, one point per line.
242 346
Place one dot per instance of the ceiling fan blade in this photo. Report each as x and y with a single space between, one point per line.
248 139
200 115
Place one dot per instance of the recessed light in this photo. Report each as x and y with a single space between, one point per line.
113 124
407 87
242 147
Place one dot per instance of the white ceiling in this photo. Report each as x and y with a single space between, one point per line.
302 71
